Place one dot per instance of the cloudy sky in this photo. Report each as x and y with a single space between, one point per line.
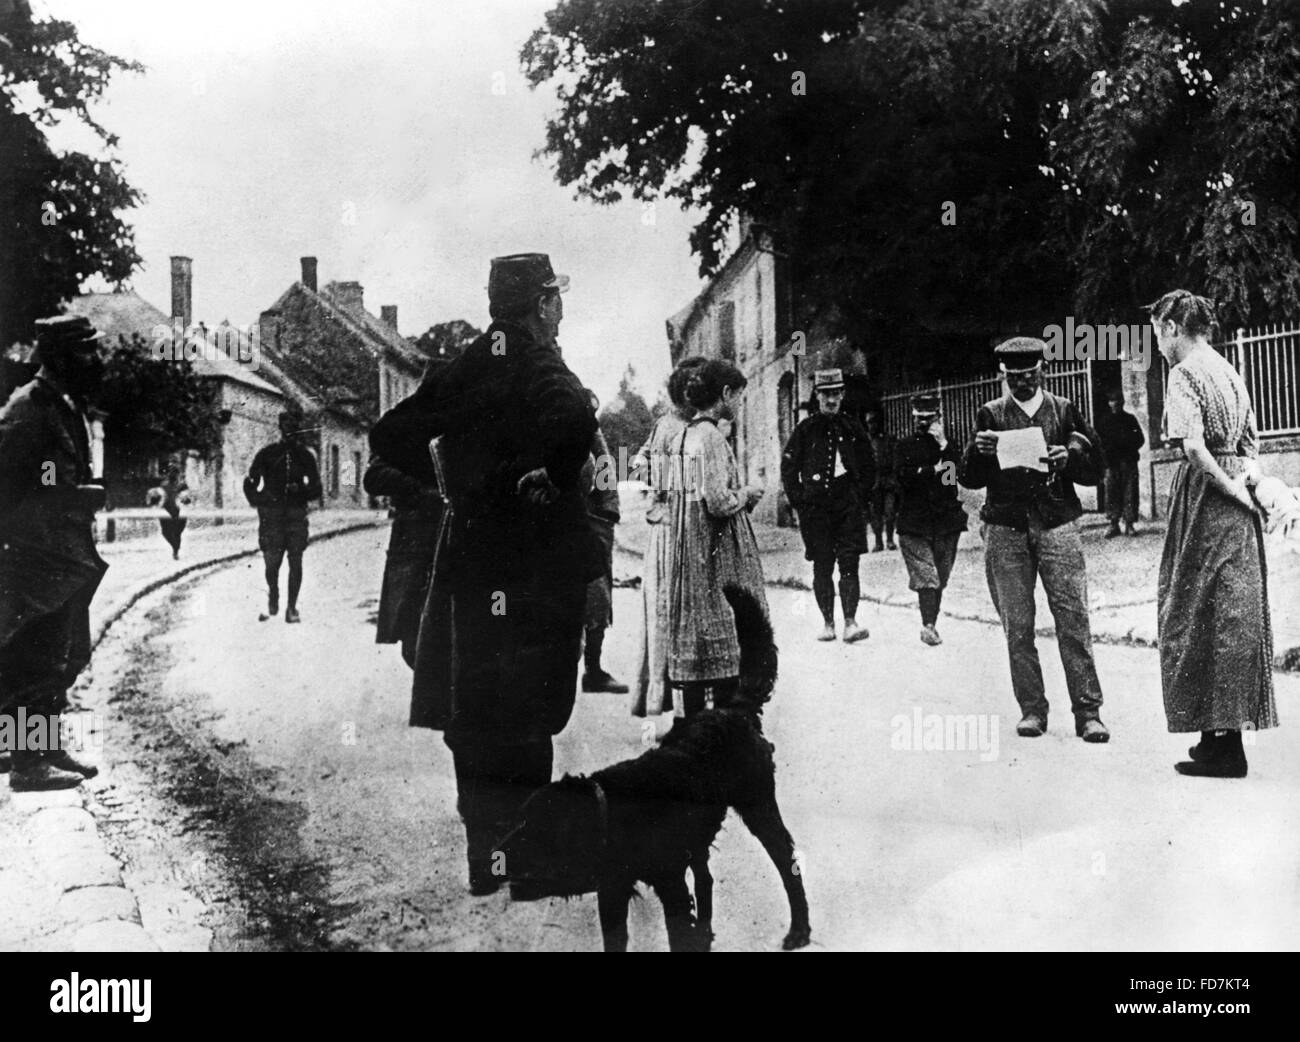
393 140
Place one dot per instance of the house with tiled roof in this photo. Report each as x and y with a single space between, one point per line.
246 403
343 366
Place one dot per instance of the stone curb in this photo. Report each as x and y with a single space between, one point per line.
94 904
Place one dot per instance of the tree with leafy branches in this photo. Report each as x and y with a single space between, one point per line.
156 407
950 164
60 212
445 341
626 420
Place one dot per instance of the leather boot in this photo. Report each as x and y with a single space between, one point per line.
65 761
1203 749
482 880
33 772
1226 759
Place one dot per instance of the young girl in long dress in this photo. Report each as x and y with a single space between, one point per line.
712 544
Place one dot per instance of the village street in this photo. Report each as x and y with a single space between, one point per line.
261 783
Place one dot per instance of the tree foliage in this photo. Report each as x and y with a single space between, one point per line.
60 213
156 406
447 340
626 420
950 163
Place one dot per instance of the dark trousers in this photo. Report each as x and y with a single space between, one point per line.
824 584
1122 491
1013 562
38 666
172 527
882 507
493 778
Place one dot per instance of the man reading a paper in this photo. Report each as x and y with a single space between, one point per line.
1030 449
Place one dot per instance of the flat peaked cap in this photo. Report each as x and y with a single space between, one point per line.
926 404
65 331
828 379
1020 353
517 278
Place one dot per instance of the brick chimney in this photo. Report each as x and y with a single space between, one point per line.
348 295
389 314
309 273
182 290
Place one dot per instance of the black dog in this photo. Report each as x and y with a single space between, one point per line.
651 818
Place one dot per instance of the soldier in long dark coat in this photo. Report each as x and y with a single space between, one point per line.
49 567
497 656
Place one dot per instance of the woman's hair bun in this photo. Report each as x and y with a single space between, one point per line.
1193 315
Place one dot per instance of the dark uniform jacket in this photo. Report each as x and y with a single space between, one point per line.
929 504
282 475
1011 493
48 560
507 406
1121 436
807 465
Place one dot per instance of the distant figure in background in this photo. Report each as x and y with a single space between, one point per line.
281 482
882 496
930 515
827 471
1121 438
660 464
49 567
169 496
603 512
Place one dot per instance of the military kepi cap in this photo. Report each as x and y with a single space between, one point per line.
926 404
520 277
65 331
828 379
1020 354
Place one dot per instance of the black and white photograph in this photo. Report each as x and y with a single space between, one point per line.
653 476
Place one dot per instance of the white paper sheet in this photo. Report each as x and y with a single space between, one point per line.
1022 448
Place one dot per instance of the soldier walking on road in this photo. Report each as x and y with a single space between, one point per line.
281 482
49 567
1029 532
826 470
930 515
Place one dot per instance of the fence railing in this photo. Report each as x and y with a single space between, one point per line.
962 400
1268 359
